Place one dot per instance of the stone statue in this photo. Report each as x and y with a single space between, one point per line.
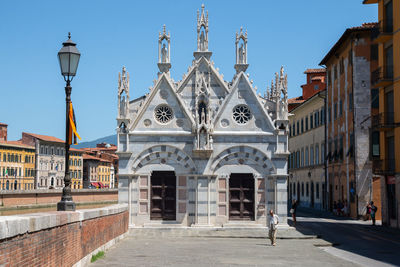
202 42
203 116
164 54
241 54
203 139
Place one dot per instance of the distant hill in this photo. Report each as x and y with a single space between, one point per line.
112 139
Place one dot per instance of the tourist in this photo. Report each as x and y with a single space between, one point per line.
335 208
293 211
374 209
368 213
340 208
273 222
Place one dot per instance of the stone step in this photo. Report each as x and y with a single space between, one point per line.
216 232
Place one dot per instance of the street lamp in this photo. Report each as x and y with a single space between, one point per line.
68 57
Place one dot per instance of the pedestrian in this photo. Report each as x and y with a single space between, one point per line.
345 210
368 213
340 208
374 209
334 207
293 211
273 222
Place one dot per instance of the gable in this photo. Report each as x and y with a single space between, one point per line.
231 116
163 95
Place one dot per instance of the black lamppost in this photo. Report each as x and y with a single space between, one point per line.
68 57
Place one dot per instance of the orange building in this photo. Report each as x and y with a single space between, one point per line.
349 63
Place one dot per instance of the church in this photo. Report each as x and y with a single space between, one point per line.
203 151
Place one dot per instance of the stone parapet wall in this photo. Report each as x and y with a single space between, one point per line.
53 196
59 238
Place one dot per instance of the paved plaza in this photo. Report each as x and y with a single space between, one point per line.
196 251
341 242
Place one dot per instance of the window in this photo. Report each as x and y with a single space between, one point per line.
241 114
316 118
311 155
302 126
322 153
298 128
306 161
389 62
317 190
306 123
311 122
302 157
163 114
334 72
298 159
302 189
375 98
307 190
335 111
375 144
351 57
340 107
341 65
322 116
316 154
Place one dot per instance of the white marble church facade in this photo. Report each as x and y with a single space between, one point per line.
203 151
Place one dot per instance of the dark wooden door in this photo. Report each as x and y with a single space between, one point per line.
241 196
163 196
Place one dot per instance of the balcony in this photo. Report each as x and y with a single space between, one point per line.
383 32
383 166
382 77
384 120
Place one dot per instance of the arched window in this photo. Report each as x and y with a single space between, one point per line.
15 185
52 181
7 185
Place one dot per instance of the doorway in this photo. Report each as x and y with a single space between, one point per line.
241 196
163 196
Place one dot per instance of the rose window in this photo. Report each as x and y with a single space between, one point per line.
163 114
241 114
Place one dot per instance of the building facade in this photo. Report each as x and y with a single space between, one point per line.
76 168
203 151
307 143
3 132
385 134
349 63
17 166
50 160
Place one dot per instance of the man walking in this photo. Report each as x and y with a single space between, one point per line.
374 209
273 222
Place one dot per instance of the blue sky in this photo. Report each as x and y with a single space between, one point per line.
112 34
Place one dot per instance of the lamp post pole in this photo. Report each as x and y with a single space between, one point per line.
66 202
69 58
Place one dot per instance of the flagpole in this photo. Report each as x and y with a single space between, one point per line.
66 202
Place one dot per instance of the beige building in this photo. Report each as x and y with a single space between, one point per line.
307 146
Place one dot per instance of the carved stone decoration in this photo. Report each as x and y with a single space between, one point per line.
164 94
180 122
241 51
123 93
241 114
224 123
202 30
164 51
147 122
163 114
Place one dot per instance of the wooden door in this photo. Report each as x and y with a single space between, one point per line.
163 196
241 196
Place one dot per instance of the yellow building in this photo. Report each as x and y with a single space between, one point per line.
76 168
17 166
103 170
386 79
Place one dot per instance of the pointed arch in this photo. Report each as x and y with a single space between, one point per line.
160 153
243 155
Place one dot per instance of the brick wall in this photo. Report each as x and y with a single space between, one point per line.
53 196
67 242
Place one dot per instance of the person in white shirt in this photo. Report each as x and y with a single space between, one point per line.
273 222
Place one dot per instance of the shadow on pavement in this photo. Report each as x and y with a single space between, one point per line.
375 242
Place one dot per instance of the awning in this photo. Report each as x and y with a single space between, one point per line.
95 184
101 185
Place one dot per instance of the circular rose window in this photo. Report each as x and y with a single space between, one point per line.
241 114
163 113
